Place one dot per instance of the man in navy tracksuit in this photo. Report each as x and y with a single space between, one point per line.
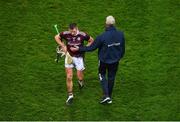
111 45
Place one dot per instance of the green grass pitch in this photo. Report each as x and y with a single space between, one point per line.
32 85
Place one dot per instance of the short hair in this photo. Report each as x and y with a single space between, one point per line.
72 25
110 20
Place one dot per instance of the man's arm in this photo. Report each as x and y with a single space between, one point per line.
58 40
95 44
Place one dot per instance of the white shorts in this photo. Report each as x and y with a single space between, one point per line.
77 62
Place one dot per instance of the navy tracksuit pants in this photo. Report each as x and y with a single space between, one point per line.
107 73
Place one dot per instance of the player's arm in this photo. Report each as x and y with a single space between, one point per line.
59 41
90 41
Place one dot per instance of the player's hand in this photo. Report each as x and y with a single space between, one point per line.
64 48
74 49
60 51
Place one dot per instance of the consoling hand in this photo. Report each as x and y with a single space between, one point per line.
74 49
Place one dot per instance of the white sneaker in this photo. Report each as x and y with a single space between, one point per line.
69 100
109 101
105 100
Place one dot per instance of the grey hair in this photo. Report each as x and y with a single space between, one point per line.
110 20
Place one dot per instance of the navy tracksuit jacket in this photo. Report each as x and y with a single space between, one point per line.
111 45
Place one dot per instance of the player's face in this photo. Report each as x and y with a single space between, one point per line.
73 31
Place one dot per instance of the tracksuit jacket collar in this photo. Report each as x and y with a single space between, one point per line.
110 28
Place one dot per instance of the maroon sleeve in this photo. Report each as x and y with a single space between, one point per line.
62 35
86 37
